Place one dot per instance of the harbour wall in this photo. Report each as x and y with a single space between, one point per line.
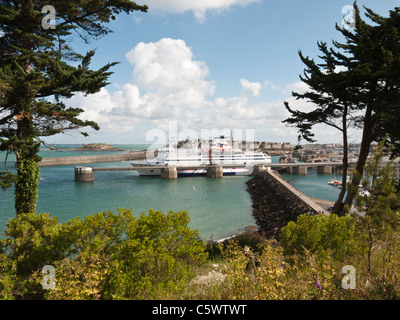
276 203
64 161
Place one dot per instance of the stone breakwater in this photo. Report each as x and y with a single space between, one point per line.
276 203
63 161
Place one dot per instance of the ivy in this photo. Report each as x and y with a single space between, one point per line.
7 180
26 187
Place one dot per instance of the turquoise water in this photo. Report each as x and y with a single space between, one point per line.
218 208
314 184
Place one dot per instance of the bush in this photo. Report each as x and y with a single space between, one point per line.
104 256
322 234
7 277
266 274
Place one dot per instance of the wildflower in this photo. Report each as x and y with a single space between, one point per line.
317 284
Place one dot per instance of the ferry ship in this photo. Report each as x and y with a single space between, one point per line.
190 161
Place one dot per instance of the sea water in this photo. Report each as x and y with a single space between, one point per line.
217 208
315 185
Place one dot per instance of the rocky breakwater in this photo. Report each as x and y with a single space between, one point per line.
85 159
276 203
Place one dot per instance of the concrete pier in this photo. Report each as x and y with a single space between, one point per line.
85 174
325 170
257 169
301 170
215 172
65 161
169 173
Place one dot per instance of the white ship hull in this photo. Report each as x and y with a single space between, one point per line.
194 162
148 171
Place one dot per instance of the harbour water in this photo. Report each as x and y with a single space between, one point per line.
218 208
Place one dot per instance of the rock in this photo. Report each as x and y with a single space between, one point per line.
96 147
274 206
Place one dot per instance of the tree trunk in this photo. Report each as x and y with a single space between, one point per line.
26 185
362 158
339 206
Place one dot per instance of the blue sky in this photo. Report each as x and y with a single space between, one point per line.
208 65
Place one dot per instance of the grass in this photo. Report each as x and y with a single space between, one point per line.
251 267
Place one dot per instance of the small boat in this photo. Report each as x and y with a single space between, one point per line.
364 193
334 182
283 158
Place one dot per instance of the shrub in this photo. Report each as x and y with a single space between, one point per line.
158 257
322 234
7 277
104 256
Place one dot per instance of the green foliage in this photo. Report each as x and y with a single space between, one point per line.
26 187
382 204
156 256
104 256
7 179
39 71
319 234
8 277
305 267
307 263
163 250
31 243
34 243
355 83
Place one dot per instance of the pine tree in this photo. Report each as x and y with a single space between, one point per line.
328 92
381 205
38 69
358 81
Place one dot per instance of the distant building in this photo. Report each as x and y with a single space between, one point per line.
287 145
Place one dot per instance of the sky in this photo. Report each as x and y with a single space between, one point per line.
188 68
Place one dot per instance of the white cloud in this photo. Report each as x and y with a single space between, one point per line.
170 84
271 85
168 67
97 106
299 87
198 7
253 87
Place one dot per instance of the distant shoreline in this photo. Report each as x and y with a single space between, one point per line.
93 147
90 149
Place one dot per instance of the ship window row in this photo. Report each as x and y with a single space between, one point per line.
215 159
227 157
